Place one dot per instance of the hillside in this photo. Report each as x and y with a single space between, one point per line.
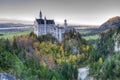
29 57
44 57
110 23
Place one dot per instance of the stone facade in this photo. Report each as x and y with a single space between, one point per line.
47 26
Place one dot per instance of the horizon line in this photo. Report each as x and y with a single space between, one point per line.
9 20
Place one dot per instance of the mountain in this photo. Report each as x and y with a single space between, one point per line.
111 23
4 21
9 25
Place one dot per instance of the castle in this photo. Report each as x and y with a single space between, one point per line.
47 26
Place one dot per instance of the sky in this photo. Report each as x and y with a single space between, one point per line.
90 12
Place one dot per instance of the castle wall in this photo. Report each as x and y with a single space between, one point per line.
41 30
44 26
61 32
55 31
36 28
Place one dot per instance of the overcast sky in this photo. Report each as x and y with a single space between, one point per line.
75 11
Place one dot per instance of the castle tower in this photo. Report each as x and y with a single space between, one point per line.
40 15
45 25
45 20
65 23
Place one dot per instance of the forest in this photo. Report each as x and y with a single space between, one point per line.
28 57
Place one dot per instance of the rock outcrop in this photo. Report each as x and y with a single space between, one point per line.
83 73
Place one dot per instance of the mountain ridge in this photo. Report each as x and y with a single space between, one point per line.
111 23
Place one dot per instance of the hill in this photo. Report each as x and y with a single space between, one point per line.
110 23
10 21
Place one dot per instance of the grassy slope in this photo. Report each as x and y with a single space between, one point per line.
91 37
84 31
94 37
12 34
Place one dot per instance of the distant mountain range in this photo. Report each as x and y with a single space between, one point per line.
8 25
110 23
6 21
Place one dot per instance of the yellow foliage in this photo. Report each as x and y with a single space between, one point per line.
58 56
49 57
47 48
67 61
100 60
72 58
81 56
78 56
43 63
37 52
59 61
85 48
36 44
62 50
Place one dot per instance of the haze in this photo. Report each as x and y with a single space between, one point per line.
91 12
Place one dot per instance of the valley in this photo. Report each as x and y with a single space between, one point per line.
84 53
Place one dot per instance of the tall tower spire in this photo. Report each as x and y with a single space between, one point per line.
40 15
65 23
45 20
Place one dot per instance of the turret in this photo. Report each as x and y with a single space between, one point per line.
45 20
65 23
40 15
45 25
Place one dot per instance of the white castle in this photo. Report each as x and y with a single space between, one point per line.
47 26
